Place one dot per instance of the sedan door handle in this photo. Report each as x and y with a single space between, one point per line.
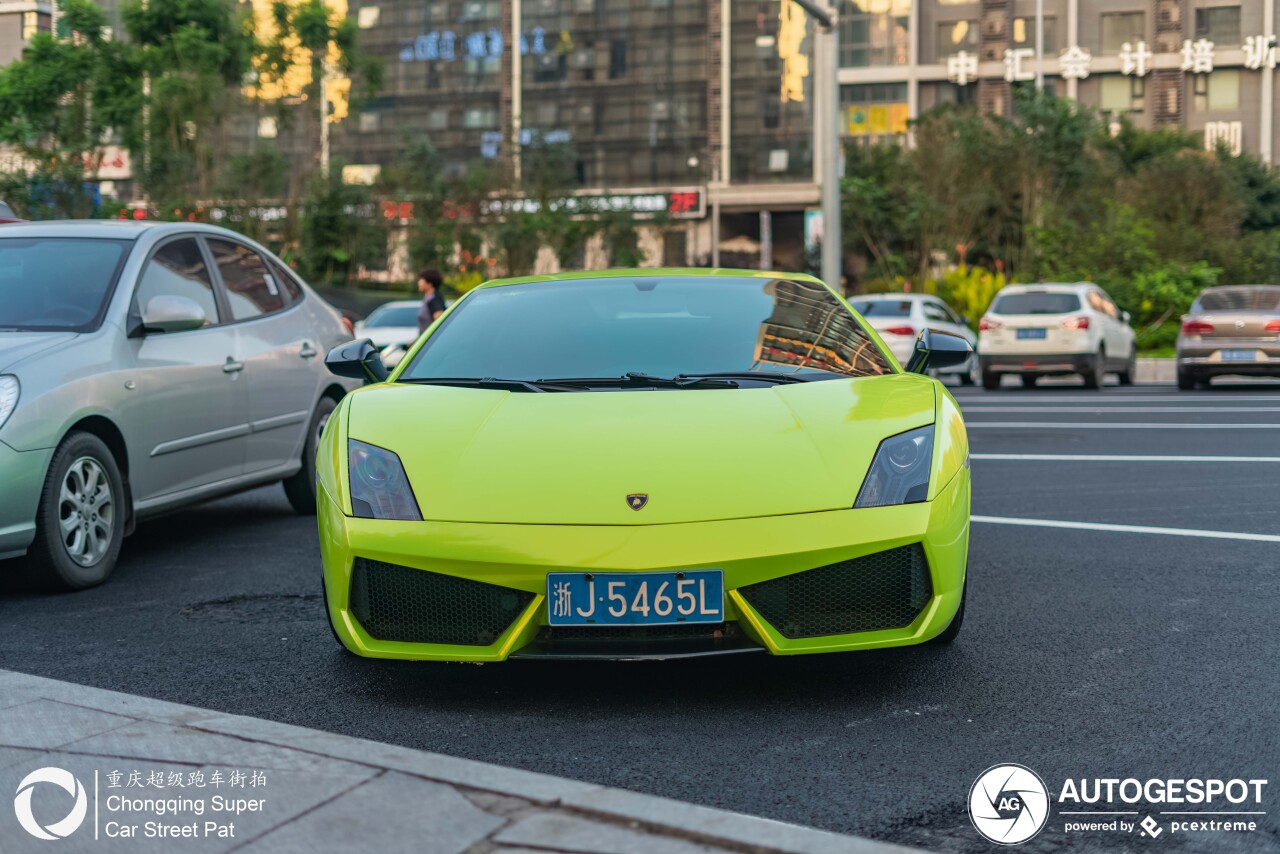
232 366
307 351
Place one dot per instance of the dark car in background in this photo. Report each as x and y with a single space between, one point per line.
1230 330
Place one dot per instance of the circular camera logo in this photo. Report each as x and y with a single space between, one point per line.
64 780
1008 804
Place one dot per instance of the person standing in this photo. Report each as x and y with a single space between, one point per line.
429 282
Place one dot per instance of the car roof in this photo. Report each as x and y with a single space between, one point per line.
115 229
1046 287
396 303
651 272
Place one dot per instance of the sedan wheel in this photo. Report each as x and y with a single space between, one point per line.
86 510
80 519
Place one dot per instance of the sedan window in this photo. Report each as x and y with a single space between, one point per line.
252 290
178 269
57 283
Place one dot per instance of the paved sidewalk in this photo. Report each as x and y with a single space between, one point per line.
183 779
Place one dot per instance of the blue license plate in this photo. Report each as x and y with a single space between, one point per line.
635 598
1238 355
1032 333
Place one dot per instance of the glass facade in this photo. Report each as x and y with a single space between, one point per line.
442 63
622 83
771 92
874 32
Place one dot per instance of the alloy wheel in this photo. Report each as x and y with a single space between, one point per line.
86 511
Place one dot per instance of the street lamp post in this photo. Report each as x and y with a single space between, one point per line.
827 107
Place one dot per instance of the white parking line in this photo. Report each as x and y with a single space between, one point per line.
1110 425
1121 409
1123 458
1126 529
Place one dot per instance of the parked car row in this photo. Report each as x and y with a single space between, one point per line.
1061 329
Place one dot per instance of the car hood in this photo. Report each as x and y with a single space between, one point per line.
476 455
16 346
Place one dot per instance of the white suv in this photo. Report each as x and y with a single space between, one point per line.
1053 329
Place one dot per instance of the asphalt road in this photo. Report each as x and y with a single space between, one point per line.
1084 653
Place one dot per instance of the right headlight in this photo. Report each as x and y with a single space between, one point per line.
379 487
8 396
900 470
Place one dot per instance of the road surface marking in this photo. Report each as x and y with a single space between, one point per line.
1125 529
1124 458
1116 425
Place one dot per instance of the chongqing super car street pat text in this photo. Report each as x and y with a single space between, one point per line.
639 464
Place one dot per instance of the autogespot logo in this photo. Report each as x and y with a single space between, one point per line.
1008 804
64 780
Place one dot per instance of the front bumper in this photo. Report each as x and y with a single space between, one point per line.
22 473
1037 363
749 551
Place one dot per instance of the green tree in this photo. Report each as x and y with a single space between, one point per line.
194 53
58 103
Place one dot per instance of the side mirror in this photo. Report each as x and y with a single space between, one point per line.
935 350
357 359
172 314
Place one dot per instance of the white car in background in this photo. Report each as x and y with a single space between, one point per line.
898 318
393 327
1056 329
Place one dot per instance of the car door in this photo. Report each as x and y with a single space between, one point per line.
277 347
1124 333
187 403
1112 335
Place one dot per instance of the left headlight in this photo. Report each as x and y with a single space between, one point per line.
8 396
379 487
900 470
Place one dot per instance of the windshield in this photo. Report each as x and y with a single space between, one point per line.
1260 298
663 326
1036 303
57 283
393 315
883 307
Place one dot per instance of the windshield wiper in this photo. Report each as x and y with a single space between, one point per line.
764 376
491 382
642 380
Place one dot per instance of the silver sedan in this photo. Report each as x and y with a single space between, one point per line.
144 367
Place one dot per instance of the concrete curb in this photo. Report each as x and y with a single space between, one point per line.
537 810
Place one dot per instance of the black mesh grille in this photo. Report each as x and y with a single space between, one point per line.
649 633
880 591
398 603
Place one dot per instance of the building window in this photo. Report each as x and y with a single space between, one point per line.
1024 33
481 10
1121 27
367 17
617 58
438 119
874 33
1123 94
1217 92
1220 25
955 36
874 108
480 117
951 93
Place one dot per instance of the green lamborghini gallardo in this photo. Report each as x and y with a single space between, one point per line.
644 464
